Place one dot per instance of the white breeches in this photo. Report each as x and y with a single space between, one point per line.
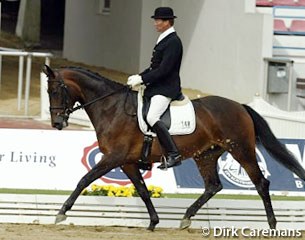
158 105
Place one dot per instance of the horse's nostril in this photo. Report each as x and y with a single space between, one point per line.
58 126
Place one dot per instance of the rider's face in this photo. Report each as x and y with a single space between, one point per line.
161 25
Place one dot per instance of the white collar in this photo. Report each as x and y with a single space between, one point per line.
165 34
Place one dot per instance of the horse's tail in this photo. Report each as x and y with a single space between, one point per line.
276 149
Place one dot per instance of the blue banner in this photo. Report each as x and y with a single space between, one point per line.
234 177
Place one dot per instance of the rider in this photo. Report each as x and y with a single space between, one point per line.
162 81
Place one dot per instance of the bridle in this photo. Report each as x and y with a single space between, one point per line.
65 103
66 108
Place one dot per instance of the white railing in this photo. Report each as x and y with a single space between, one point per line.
22 55
121 211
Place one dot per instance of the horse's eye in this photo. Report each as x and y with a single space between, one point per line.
53 93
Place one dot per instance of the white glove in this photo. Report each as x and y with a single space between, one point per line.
134 80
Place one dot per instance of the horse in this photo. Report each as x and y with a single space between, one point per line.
222 125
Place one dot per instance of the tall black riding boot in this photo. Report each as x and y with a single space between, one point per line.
173 157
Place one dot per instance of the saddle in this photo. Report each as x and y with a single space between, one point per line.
179 118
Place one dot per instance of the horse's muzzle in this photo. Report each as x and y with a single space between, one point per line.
60 122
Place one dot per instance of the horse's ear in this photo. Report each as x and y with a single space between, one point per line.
48 71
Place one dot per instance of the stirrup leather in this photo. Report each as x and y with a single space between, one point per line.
144 162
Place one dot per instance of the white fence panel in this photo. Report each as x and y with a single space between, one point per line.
113 211
283 123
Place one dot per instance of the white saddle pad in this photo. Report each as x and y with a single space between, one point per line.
182 114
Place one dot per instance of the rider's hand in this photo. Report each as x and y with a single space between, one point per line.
134 80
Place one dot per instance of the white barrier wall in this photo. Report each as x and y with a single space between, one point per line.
219 214
284 124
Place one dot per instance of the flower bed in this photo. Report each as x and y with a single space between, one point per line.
121 191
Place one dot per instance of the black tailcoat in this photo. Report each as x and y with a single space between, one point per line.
162 77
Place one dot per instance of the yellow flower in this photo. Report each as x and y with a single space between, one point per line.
84 192
128 192
94 187
120 191
132 190
158 189
110 194
106 187
155 195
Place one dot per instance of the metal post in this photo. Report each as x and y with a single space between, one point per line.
20 81
265 84
27 84
289 86
47 61
0 71
44 110
0 16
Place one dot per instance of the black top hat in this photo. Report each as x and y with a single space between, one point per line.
163 13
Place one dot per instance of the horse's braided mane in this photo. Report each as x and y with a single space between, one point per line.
93 75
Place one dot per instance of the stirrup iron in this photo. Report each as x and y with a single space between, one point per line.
163 161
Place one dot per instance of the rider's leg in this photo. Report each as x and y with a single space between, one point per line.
158 105
173 156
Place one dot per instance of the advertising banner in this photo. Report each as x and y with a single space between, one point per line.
234 177
51 159
42 159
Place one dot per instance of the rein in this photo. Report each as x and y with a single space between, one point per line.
82 106
66 97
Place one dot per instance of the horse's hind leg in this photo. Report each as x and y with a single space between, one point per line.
207 165
104 166
133 172
247 160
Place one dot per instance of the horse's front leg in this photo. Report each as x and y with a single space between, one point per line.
107 163
133 172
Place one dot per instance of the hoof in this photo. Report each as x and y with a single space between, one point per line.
60 218
150 228
152 225
185 223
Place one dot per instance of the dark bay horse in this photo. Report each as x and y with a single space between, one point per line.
222 125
